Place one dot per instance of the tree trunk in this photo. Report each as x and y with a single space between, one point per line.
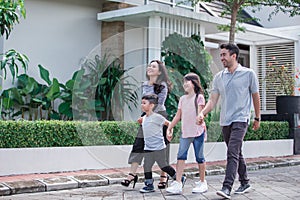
234 13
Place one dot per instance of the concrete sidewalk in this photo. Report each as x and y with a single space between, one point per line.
29 183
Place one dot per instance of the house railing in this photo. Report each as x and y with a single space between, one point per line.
173 3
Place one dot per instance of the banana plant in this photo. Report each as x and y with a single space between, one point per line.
65 108
114 88
84 103
38 98
10 99
10 59
29 89
96 88
49 94
10 14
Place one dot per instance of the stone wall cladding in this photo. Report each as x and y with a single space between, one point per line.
112 33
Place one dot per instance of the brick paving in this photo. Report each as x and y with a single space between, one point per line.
32 183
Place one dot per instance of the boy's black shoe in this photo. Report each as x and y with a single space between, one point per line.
224 193
148 188
243 189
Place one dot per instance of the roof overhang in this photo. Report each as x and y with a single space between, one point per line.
253 35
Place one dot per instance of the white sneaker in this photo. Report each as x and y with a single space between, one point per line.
175 188
201 187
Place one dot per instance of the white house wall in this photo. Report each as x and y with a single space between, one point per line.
57 34
135 59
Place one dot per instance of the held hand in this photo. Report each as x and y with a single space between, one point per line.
256 125
140 120
200 118
169 134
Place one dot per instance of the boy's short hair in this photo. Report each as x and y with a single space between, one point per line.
152 98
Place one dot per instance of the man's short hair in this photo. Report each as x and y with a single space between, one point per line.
232 48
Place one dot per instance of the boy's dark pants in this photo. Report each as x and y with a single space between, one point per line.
159 157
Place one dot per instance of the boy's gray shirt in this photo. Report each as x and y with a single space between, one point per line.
153 132
235 92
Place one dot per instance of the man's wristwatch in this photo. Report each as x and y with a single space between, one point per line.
256 119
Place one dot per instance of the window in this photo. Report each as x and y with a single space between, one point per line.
284 55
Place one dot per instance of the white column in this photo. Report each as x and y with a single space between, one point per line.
253 58
202 32
263 95
154 38
297 64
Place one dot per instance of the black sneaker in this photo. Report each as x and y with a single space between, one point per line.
243 189
225 193
148 188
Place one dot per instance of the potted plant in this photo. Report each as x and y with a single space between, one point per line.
284 79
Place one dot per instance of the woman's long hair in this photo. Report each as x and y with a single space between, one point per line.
163 77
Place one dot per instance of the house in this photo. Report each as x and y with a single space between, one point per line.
59 34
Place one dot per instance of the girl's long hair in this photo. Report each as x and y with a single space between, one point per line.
197 86
163 77
196 82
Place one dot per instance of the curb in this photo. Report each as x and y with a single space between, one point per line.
95 180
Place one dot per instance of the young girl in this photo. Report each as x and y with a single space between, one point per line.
191 132
155 147
157 83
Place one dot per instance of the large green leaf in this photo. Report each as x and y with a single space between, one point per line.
65 109
54 90
30 86
44 74
22 80
15 94
70 84
7 103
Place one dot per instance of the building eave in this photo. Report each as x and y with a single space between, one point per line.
253 35
161 10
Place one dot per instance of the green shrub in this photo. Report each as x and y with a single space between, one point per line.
268 130
21 134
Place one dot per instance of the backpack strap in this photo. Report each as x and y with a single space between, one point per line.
196 103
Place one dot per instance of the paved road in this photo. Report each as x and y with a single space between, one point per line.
277 183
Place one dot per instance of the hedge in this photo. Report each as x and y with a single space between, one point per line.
21 134
269 130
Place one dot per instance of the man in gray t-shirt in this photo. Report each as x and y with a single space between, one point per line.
238 89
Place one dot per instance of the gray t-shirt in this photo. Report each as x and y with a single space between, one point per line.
153 132
235 91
